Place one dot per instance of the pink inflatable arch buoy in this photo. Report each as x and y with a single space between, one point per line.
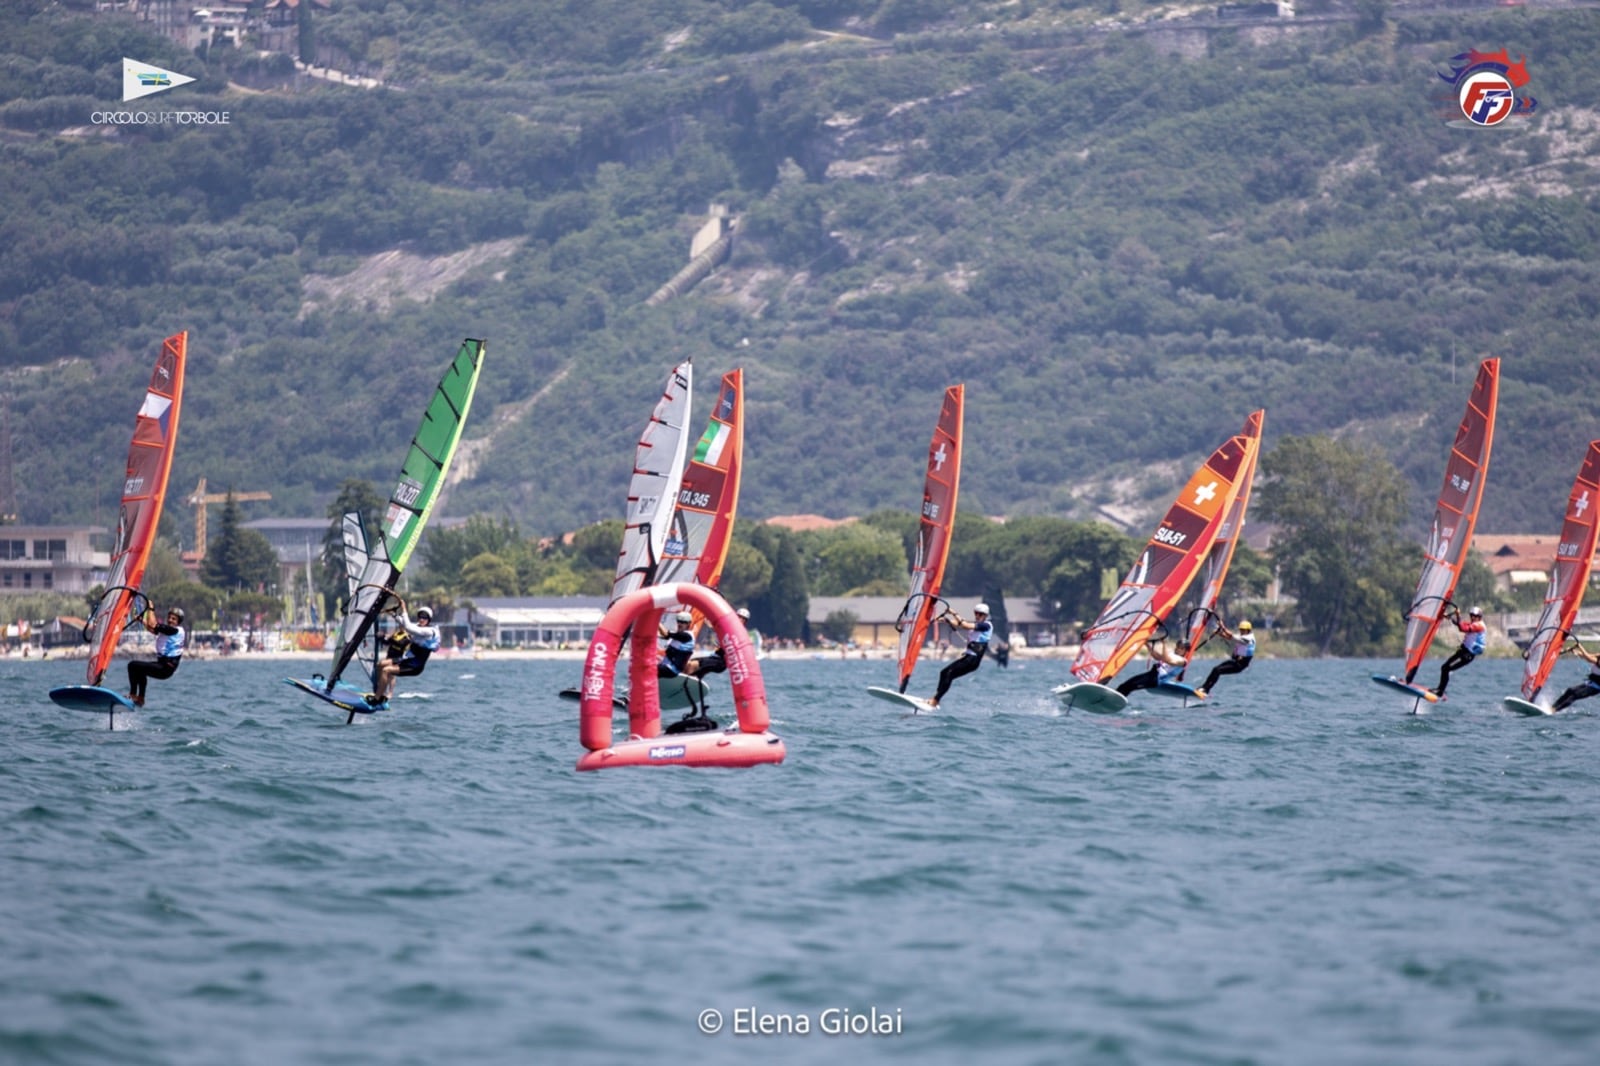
745 745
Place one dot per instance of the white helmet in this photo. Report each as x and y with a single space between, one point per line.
685 616
980 608
425 613
744 613
1476 612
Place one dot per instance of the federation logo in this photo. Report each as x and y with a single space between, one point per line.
142 79
1486 87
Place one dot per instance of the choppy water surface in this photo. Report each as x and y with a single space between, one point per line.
1298 872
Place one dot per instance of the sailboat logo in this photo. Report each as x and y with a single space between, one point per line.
142 79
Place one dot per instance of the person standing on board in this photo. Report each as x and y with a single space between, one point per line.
1590 686
1165 666
1239 657
717 661
170 641
680 646
977 644
1474 634
421 639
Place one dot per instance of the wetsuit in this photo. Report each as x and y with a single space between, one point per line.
1239 660
1159 671
1474 637
675 656
170 641
969 660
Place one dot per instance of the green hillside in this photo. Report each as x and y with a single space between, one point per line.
1121 249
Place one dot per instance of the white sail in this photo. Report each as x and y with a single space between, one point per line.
653 490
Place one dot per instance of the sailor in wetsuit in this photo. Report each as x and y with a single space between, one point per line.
170 641
1165 665
717 661
1589 686
680 646
1240 656
977 644
1474 635
415 642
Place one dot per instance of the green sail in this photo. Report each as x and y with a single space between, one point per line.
421 476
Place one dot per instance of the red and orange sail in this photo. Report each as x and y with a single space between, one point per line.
708 498
1215 571
155 435
1167 565
939 490
1569 576
1454 516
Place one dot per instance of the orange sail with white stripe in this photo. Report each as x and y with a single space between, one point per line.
940 487
1165 568
1569 576
1215 571
1454 516
144 489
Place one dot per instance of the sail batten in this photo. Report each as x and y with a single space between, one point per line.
1454 516
1569 576
940 488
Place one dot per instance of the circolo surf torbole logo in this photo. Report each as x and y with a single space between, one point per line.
141 79
1488 90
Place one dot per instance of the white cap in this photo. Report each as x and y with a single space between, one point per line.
980 608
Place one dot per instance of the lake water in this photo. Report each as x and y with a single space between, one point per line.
1297 872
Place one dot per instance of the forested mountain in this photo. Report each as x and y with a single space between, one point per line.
1123 233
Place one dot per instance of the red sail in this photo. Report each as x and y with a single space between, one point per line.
1215 571
1569 576
155 434
939 490
1454 517
1165 568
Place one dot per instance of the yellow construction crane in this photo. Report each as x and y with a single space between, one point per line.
200 497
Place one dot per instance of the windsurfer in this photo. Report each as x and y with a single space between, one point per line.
170 641
680 646
1589 686
1474 634
1240 656
717 661
421 639
1167 665
977 644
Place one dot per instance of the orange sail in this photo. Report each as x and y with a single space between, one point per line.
1165 568
708 499
1215 571
939 490
1569 576
1454 516
155 434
